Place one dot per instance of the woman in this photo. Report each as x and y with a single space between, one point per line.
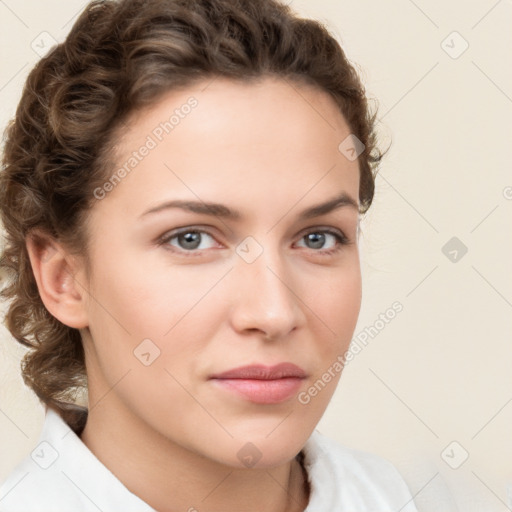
181 192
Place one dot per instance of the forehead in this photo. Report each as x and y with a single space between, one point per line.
237 140
266 111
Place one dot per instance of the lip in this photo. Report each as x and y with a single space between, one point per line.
262 384
263 372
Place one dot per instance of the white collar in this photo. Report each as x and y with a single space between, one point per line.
62 470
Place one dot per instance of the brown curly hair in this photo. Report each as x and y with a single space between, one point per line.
121 56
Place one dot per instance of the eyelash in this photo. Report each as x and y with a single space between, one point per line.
341 240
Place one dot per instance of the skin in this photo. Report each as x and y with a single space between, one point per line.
168 433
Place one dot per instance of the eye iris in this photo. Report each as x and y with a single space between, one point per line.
317 239
191 239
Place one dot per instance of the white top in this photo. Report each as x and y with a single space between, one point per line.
63 475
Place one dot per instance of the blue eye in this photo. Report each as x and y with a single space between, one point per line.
188 240
318 239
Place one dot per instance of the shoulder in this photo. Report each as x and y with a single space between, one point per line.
353 479
61 474
34 484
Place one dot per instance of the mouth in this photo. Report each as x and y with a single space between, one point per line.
262 384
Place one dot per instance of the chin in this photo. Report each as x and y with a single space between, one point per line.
268 449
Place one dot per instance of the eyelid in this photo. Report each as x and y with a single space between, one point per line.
202 229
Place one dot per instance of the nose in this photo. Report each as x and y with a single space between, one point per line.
266 301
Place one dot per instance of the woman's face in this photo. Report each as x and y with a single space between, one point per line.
180 295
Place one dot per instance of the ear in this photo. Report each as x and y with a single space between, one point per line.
60 280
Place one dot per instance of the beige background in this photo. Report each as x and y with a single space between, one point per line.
440 371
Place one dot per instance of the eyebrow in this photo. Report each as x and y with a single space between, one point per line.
222 211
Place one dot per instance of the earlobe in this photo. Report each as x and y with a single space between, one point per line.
56 271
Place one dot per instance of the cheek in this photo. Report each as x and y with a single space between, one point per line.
337 300
338 308
177 309
348 302
149 299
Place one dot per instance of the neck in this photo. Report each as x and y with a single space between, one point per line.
169 477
